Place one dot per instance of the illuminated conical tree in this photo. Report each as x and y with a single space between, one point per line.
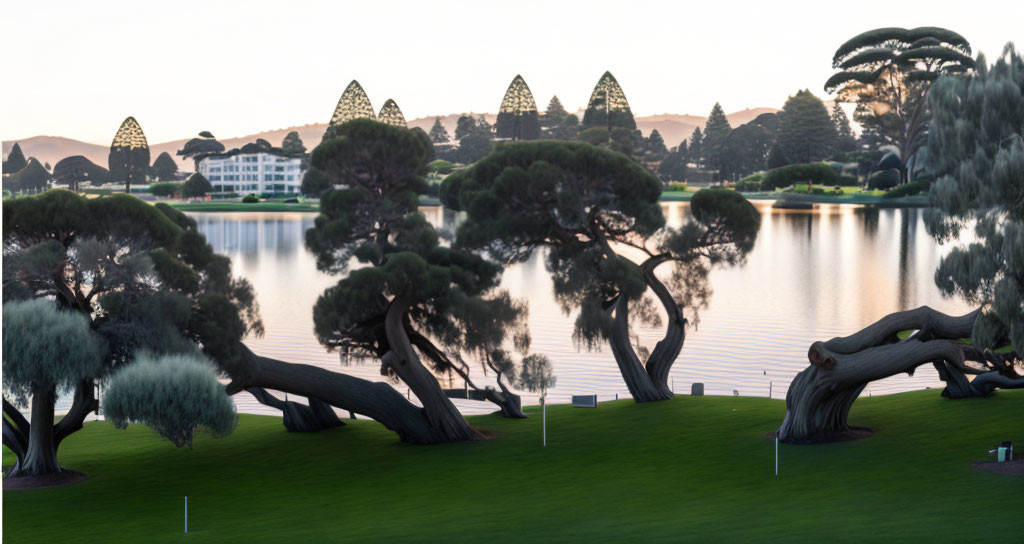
129 154
391 115
606 101
353 104
517 117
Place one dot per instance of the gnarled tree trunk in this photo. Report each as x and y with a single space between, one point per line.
640 384
665 352
16 430
444 418
819 398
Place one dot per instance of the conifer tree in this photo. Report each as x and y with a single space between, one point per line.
15 160
845 140
439 134
716 129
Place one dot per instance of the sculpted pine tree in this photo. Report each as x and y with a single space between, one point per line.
976 149
517 116
292 145
581 203
72 171
608 107
413 289
164 167
129 155
887 72
200 147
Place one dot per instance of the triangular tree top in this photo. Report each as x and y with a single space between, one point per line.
518 99
391 115
129 136
353 104
608 100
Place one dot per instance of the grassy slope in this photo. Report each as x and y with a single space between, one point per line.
687 469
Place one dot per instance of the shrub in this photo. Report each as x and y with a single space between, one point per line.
442 167
909 189
171 394
820 173
884 179
250 199
749 184
164 189
676 186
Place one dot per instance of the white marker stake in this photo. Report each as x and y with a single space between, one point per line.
776 453
186 514
544 405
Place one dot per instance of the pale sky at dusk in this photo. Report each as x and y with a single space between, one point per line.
77 69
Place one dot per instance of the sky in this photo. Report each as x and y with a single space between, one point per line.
77 69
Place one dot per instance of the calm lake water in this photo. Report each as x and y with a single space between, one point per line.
812 275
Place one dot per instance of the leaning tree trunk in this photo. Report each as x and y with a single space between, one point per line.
402 359
41 455
376 400
819 398
300 418
508 402
84 403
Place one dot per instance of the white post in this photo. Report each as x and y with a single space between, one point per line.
186 514
769 389
544 425
673 384
776 453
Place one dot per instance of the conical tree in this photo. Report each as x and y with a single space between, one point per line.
129 154
391 115
716 129
15 160
845 140
696 150
439 134
608 106
806 132
164 167
656 145
554 115
517 116
353 104
292 145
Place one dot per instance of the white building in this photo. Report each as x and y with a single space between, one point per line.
259 173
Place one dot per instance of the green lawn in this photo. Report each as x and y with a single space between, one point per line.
690 469
246 207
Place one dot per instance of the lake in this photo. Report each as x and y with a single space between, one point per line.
812 275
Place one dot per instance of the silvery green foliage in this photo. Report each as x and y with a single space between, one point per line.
976 138
45 346
175 395
535 374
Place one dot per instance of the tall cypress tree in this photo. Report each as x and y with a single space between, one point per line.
656 145
716 130
844 134
696 152
806 133
439 134
15 160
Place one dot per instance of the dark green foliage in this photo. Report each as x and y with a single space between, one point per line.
655 149
806 131
845 140
465 126
33 178
129 165
175 395
314 183
165 189
608 106
200 147
884 179
441 167
250 199
976 148
846 180
553 117
196 186
909 189
716 130
750 184
473 148
72 171
164 167
15 160
439 134
536 374
424 140
819 173
673 167
594 136
746 148
696 147
292 145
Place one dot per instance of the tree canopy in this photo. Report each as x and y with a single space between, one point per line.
164 167
716 130
71 171
292 145
806 131
196 186
15 160
439 134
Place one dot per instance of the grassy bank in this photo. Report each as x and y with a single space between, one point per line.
690 469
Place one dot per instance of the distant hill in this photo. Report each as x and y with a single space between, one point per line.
673 128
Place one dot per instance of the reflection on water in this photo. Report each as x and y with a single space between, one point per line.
812 275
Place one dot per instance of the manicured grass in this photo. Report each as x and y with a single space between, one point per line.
690 469
246 207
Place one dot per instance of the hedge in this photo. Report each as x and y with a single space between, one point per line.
820 173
